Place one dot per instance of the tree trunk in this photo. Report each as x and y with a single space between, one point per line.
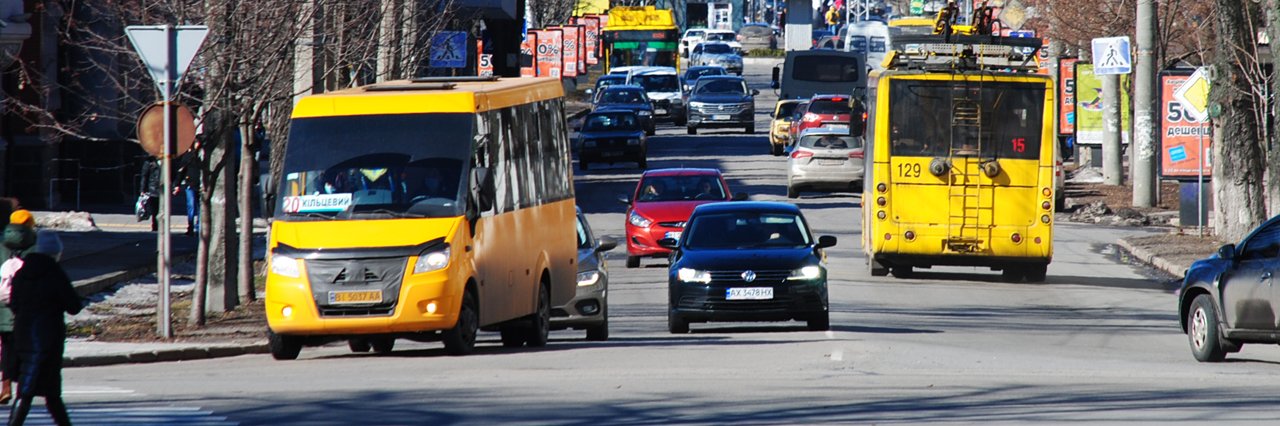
1273 151
245 206
222 286
1239 203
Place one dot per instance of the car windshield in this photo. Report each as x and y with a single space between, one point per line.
610 121
830 142
375 166
830 107
694 33
726 86
741 230
801 108
694 75
716 49
785 110
720 37
681 188
610 80
657 83
622 97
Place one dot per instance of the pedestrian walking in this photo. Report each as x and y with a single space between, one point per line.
189 183
41 295
149 198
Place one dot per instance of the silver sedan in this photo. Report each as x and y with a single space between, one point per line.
824 159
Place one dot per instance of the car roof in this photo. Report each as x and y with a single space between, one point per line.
720 77
747 206
699 67
708 43
655 71
790 101
617 87
829 97
682 171
611 110
823 131
611 77
720 31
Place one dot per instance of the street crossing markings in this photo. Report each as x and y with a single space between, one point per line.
129 414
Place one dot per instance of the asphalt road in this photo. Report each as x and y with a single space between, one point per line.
1098 342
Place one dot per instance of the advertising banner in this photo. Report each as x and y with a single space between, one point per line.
569 42
550 44
1183 139
1067 96
592 38
582 49
1089 126
528 60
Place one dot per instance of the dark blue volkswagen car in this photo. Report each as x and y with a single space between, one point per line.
747 261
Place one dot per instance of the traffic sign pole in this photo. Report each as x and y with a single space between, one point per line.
1112 159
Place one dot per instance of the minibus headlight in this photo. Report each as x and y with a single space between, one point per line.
432 261
285 266
807 273
588 278
693 276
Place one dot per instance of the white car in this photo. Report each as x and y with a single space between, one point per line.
723 36
691 38
662 86
716 54
825 159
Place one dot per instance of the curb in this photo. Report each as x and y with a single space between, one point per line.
93 285
1153 260
167 355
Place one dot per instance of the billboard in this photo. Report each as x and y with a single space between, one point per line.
592 25
1183 139
1089 126
1067 96
570 51
550 62
528 60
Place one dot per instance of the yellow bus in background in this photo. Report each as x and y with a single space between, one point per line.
960 163
424 209
641 36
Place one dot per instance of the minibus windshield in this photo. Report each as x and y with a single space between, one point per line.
375 166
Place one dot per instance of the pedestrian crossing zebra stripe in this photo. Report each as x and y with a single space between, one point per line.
128 415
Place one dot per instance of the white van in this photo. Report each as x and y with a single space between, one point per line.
871 37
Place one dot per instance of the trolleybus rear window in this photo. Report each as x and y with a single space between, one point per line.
988 119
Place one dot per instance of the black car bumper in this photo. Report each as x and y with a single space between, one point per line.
715 119
700 303
665 110
611 154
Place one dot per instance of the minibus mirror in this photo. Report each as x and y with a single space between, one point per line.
485 194
605 243
740 196
777 73
826 241
624 199
670 243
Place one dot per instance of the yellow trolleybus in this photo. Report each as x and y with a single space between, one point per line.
424 209
641 36
961 165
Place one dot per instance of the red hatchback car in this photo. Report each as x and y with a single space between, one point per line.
824 111
662 202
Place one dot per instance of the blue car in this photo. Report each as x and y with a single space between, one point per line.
1227 300
747 261
627 97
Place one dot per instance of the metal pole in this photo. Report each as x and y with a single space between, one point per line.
162 269
1112 159
1144 100
1200 184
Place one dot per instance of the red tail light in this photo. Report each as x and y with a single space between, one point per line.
801 154
855 154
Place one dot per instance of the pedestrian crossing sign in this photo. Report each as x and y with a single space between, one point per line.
449 49
1111 56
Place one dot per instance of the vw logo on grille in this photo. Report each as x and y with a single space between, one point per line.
749 276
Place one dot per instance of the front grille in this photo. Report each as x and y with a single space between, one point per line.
610 143
662 103
762 277
382 274
785 297
671 224
722 108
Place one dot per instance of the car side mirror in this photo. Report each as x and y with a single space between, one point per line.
589 91
1227 252
826 241
739 196
604 244
777 73
624 199
670 243
754 92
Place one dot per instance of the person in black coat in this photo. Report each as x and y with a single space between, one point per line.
42 293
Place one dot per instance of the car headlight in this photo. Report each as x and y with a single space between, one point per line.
433 261
633 142
285 266
806 273
645 113
637 220
693 276
588 278
697 104
589 144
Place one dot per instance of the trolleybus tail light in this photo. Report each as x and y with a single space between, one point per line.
1016 237
909 235
1044 219
1037 240
888 237
1045 205
1047 192
881 201
801 154
881 215
882 187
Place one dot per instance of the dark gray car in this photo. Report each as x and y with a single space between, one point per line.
589 308
722 101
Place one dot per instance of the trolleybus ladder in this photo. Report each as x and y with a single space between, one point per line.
968 206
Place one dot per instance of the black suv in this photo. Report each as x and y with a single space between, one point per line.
1227 299
610 136
747 261
719 101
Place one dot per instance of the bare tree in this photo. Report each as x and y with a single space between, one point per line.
546 13
1236 97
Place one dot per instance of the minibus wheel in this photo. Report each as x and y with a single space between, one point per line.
541 329
461 339
283 347
383 345
359 345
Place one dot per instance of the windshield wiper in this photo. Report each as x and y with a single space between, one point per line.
391 213
312 215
